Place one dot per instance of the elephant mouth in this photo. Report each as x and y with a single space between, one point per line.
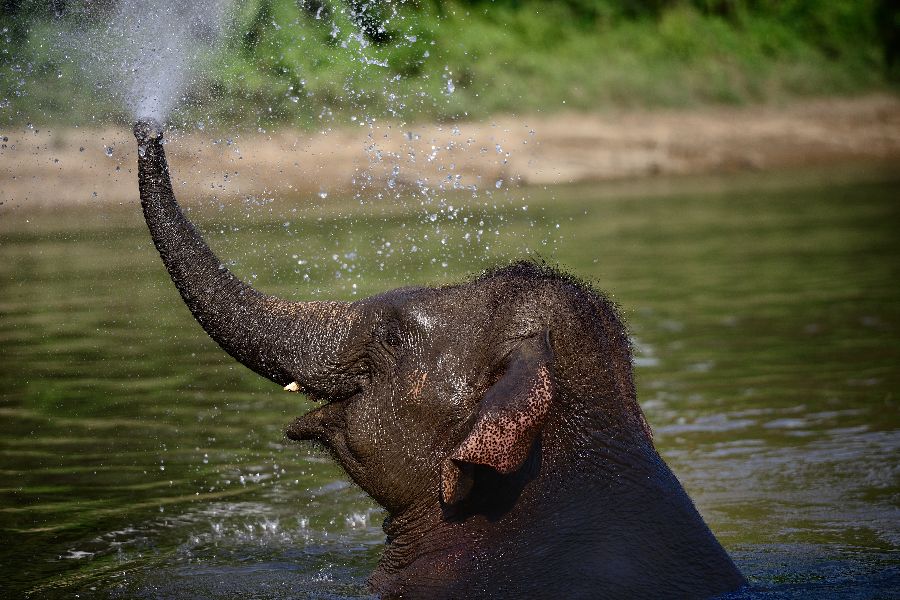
320 424
327 426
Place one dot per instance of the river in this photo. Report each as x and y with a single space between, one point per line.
139 461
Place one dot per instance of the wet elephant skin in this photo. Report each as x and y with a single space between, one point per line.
495 420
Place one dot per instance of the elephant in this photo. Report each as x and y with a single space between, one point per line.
495 420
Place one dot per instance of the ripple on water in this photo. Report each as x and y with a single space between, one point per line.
766 341
234 549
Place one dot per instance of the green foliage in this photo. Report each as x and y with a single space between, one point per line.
309 62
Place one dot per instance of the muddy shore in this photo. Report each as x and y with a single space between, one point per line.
41 167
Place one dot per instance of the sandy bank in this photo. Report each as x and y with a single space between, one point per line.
40 167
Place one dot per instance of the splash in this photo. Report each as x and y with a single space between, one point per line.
149 52
165 41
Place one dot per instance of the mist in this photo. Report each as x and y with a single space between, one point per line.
148 53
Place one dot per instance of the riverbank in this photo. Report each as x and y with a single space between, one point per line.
72 166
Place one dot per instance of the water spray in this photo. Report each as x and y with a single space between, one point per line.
149 51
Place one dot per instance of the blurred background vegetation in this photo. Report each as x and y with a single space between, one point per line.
315 62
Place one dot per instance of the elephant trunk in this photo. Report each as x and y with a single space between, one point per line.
305 342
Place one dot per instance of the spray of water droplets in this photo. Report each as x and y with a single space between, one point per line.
147 53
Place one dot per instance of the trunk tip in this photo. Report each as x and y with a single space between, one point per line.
147 129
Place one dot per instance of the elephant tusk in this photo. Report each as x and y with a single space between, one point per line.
292 387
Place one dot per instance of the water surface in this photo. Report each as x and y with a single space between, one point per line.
139 461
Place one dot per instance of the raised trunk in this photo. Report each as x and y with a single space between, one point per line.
306 342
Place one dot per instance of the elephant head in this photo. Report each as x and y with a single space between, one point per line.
495 420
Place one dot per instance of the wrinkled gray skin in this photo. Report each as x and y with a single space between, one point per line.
496 421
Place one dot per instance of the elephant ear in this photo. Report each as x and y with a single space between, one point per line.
509 418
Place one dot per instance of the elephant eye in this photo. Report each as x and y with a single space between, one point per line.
392 337
388 333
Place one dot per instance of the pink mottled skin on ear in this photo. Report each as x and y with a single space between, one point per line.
504 432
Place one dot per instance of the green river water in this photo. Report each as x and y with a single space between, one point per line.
139 461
